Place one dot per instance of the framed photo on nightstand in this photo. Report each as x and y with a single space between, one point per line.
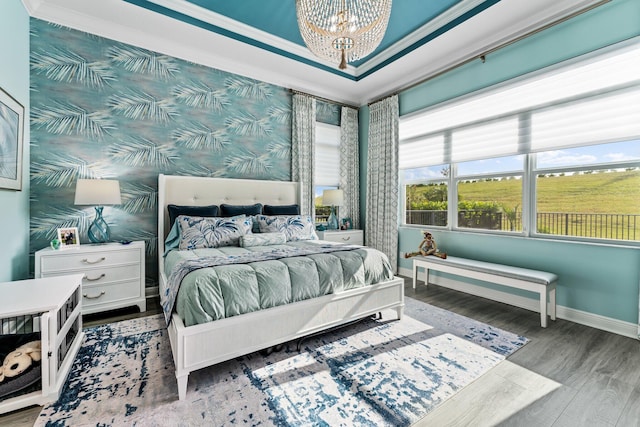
68 237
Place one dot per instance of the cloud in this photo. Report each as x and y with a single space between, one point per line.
618 157
563 158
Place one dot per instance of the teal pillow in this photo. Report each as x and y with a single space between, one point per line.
176 210
233 210
281 210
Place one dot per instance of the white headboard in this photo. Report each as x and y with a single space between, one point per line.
202 191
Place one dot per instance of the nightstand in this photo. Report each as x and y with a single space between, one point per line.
112 273
353 237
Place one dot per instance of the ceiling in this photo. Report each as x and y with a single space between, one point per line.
260 38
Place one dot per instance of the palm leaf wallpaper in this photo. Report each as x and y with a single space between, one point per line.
104 109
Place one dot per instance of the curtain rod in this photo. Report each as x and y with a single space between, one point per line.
483 55
319 98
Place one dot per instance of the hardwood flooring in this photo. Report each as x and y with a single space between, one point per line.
568 375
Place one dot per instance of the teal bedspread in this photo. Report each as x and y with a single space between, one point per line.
221 291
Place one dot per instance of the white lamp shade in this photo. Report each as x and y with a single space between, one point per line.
332 197
98 192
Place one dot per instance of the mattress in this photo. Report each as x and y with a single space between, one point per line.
220 291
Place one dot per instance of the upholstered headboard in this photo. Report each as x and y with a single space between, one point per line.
203 191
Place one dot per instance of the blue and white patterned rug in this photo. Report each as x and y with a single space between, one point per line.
373 373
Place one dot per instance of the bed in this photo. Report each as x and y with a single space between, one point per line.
198 346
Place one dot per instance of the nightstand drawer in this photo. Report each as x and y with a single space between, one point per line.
81 261
98 295
104 275
352 237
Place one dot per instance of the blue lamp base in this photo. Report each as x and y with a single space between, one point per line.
332 221
99 229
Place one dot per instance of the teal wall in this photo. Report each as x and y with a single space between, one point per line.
599 279
100 108
106 109
14 79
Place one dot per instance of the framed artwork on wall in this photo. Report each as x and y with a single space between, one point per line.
11 136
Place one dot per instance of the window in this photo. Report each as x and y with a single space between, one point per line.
554 153
327 165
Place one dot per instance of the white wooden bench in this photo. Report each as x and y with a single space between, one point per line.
515 277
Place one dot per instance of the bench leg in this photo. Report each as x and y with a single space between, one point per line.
552 303
543 308
415 274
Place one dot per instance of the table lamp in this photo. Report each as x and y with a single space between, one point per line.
332 198
98 192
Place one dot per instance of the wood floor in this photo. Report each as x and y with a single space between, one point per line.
567 375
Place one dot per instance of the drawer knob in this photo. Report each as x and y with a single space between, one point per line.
86 261
346 238
93 296
90 279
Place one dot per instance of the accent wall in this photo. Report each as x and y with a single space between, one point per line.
105 109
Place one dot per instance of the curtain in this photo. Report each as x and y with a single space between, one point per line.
303 140
382 179
350 165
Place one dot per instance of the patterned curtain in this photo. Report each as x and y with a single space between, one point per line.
350 165
303 141
382 178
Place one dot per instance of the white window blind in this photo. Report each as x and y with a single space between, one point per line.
495 139
423 152
595 100
327 155
594 120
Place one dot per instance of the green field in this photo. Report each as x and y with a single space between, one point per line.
612 192
603 203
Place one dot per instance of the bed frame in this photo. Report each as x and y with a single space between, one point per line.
199 346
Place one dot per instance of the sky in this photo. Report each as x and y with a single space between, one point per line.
590 155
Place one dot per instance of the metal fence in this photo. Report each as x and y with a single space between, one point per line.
601 226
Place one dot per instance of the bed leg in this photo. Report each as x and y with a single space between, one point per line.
182 386
400 311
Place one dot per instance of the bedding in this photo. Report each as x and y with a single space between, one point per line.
235 280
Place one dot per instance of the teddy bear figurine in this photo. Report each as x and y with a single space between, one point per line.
427 247
20 359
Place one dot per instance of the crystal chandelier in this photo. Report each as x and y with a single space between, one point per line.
342 30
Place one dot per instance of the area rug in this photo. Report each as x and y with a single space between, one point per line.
373 373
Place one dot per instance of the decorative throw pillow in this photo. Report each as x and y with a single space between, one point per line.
176 210
200 232
262 239
295 228
281 210
233 210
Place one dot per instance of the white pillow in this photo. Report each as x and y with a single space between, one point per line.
212 232
295 227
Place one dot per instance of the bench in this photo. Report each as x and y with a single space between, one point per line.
540 282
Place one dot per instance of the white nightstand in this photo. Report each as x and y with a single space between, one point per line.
353 237
113 273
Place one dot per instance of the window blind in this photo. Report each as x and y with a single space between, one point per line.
327 155
601 119
595 100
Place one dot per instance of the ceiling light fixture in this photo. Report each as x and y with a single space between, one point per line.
342 30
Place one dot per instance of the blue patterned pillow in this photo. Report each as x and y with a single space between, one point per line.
262 239
298 227
200 232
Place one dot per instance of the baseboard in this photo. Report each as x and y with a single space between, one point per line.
597 321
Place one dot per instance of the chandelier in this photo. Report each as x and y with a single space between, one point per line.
342 30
